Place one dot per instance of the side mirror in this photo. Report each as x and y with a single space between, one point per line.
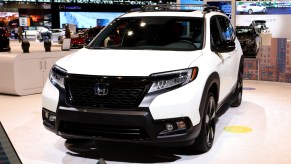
224 47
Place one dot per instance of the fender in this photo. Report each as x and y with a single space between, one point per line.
212 83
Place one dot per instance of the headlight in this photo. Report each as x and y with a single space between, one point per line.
171 79
57 76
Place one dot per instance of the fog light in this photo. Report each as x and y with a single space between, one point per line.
52 118
169 127
181 125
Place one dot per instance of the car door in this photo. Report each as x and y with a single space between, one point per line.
222 32
257 8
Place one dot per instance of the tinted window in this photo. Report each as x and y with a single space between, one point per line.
221 31
226 29
244 31
169 33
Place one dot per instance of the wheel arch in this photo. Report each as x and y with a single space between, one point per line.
212 84
241 65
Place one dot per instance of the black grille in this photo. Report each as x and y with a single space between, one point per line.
122 92
102 131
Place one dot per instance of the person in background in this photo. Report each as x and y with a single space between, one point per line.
20 34
15 33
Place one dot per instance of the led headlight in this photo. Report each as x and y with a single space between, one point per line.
171 79
57 76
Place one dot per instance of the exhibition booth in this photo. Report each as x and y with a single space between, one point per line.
255 132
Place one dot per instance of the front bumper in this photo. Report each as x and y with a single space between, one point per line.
135 126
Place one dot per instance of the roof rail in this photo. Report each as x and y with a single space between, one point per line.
172 7
211 8
179 7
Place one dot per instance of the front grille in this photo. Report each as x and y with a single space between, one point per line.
104 131
122 92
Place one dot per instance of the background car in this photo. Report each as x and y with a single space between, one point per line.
251 8
84 37
4 40
56 33
250 40
260 26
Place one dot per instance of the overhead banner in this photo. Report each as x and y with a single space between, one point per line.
263 7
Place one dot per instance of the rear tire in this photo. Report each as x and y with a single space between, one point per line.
250 11
204 141
238 92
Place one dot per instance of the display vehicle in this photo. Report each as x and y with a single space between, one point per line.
250 40
157 76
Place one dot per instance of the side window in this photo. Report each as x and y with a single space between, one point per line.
227 31
215 38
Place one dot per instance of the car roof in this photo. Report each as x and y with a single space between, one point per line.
174 10
164 13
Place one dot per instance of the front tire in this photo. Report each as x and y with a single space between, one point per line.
250 11
204 141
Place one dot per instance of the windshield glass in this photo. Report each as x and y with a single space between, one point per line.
244 32
166 33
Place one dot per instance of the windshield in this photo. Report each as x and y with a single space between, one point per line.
244 32
166 33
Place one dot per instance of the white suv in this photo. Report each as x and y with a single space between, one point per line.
154 76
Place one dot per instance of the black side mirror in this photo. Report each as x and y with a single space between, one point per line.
224 47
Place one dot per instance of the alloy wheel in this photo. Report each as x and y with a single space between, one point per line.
210 121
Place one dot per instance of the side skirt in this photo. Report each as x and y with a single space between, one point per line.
225 104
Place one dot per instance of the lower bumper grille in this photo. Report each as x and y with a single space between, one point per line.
101 131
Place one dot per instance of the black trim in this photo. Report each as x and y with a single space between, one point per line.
212 81
8 154
228 97
136 125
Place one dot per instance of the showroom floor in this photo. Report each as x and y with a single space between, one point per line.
256 132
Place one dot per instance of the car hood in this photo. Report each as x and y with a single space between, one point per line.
126 62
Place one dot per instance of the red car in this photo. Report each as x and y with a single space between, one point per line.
77 42
85 37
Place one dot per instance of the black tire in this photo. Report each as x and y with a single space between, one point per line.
204 141
239 91
250 11
264 11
